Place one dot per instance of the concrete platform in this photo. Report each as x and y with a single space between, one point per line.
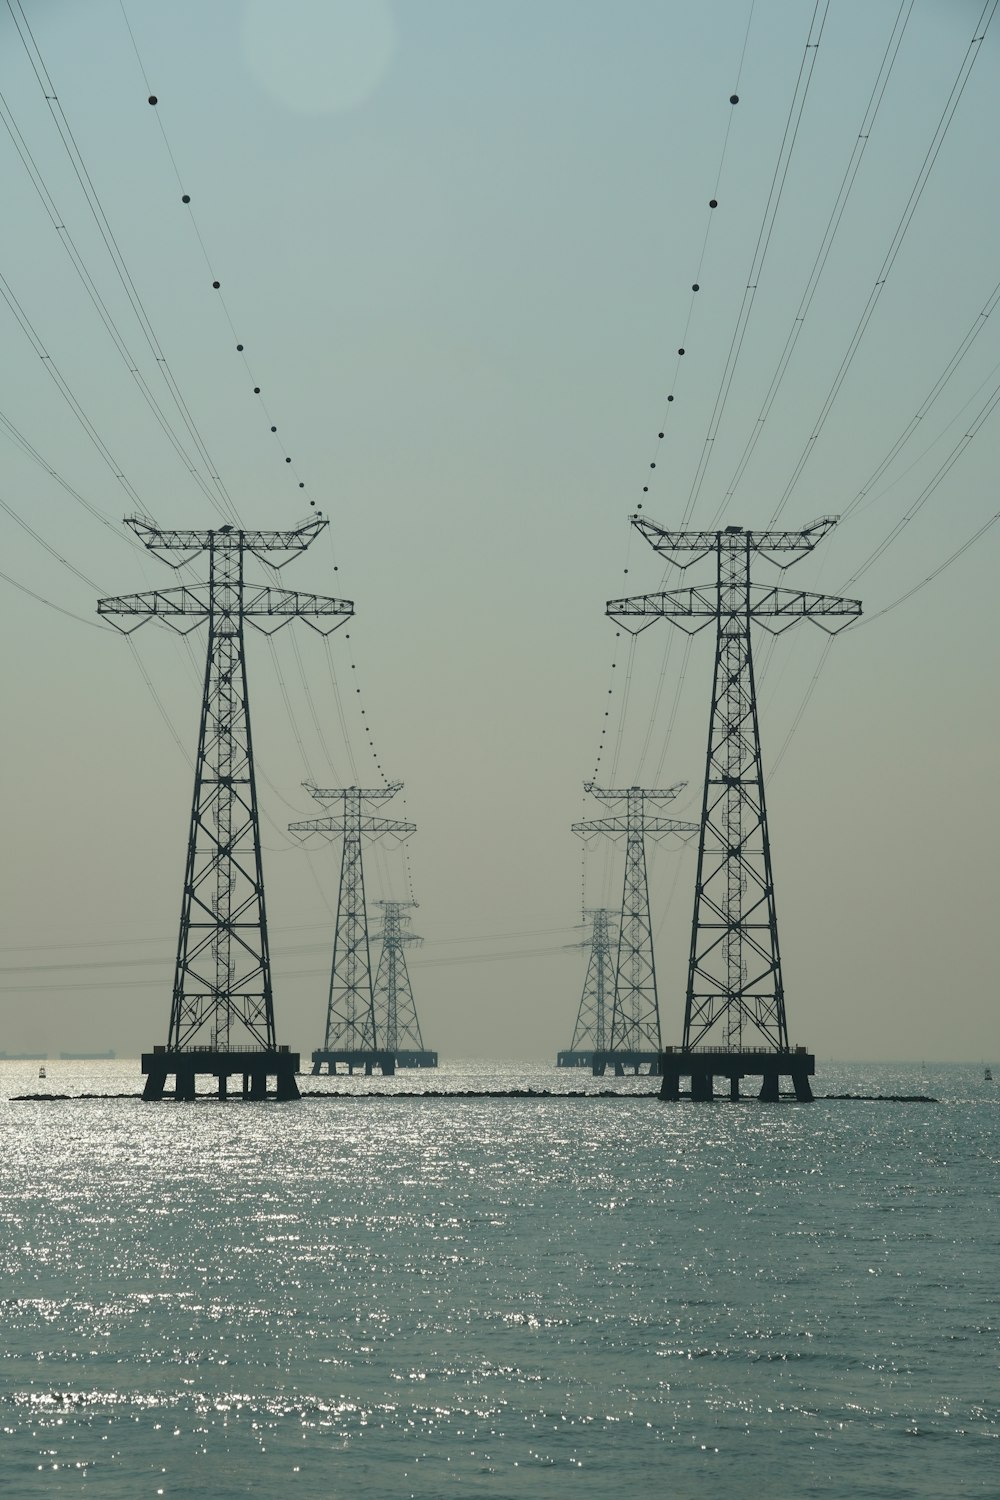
365 1062
581 1058
622 1062
704 1065
415 1059
255 1064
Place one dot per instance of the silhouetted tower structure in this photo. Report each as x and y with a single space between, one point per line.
222 1013
634 1039
351 1036
734 1019
396 1021
590 1034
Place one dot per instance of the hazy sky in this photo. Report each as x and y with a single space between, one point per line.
458 241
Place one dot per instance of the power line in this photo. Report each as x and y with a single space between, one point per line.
107 235
941 130
826 244
785 151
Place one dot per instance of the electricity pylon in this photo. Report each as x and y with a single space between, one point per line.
590 1033
351 1034
635 1015
735 988
397 1028
222 995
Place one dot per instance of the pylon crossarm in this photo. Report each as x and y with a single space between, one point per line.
367 827
261 543
190 603
692 545
617 827
364 794
757 602
270 603
615 795
637 614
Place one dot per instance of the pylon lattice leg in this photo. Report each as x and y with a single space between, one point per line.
222 977
395 1009
734 974
635 1017
350 1020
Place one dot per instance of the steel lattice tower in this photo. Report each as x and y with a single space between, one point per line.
590 1034
396 1023
351 1032
635 1015
222 994
735 992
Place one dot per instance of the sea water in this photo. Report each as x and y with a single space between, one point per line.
511 1297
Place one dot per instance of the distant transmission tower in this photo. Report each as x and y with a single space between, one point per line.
222 1014
351 1034
590 1034
734 1019
396 1020
634 1040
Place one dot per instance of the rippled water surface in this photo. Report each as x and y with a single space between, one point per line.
541 1297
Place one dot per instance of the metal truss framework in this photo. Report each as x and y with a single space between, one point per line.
222 994
635 1014
396 1023
591 1030
734 975
350 1017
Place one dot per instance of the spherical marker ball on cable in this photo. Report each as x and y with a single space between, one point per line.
185 197
274 429
695 286
734 98
239 348
152 99
680 351
256 390
670 398
217 284
713 202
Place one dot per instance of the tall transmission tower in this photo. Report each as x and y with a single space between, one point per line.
590 1034
634 1038
396 1022
351 1035
734 1018
222 1011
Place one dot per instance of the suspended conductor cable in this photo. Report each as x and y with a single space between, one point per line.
696 285
210 266
293 723
936 573
973 333
826 244
957 90
100 306
49 604
90 193
56 375
944 468
792 124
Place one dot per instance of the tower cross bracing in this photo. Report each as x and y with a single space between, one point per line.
635 1014
222 999
735 992
351 1029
